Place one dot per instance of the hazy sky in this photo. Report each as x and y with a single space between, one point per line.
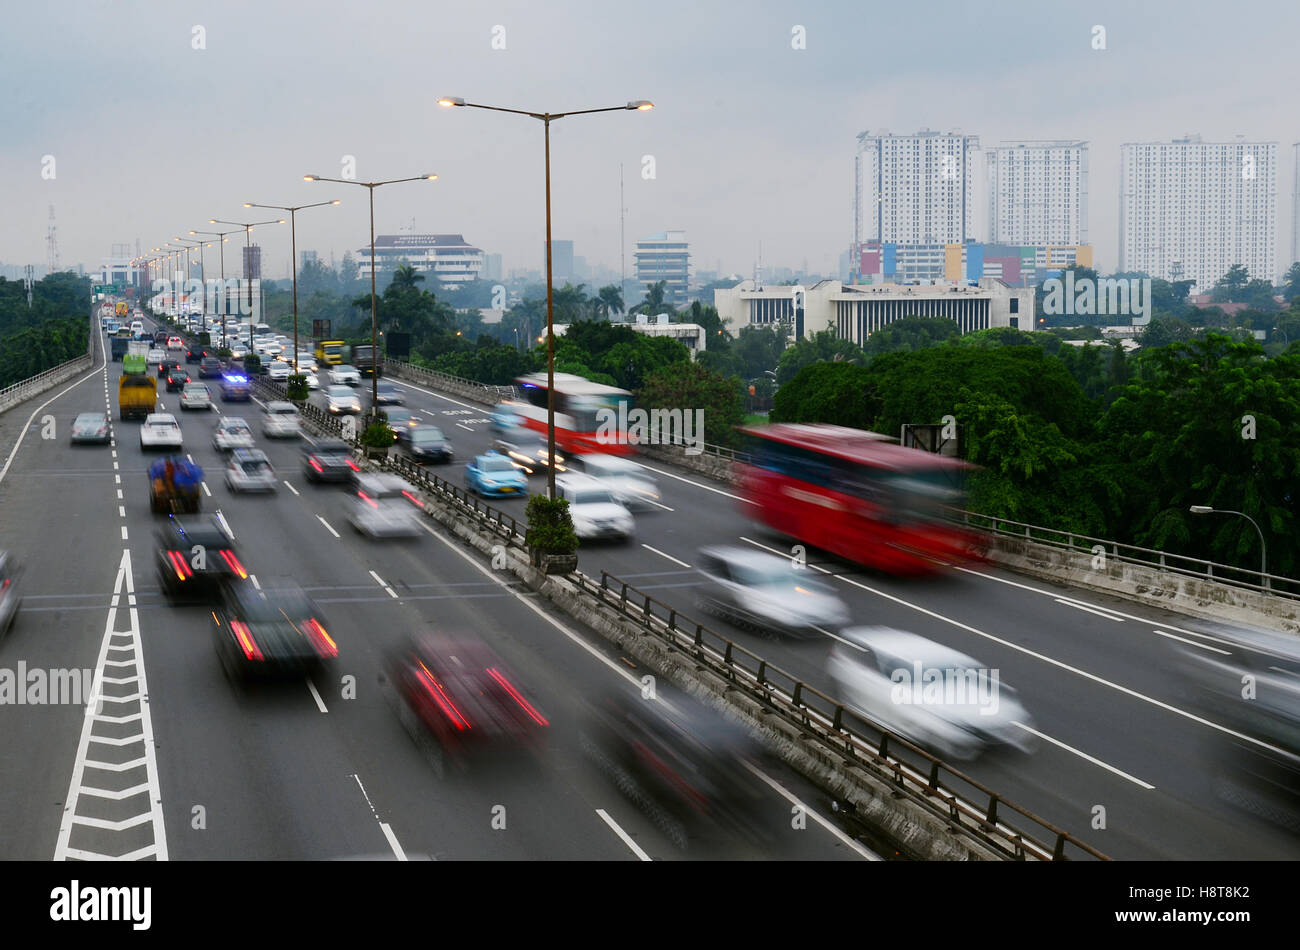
752 140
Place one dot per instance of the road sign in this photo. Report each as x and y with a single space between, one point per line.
106 288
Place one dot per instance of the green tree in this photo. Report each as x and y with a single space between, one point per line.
823 345
689 386
910 333
842 394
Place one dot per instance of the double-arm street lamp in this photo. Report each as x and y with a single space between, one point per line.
370 186
1263 553
293 251
224 309
546 119
189 246
248 243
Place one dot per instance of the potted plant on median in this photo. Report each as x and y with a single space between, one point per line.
253 364
551 538
297 390
378 436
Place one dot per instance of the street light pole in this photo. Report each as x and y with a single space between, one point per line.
374 300
1263 553
248 243
293 250
545 118
225 299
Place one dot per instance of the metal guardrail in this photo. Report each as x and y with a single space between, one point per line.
933 784
925 780
1270 584
490 394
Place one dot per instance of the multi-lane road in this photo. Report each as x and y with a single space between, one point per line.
175 763
324 770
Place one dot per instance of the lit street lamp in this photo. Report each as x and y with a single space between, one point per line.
293 251
1263 553
546 119
370 186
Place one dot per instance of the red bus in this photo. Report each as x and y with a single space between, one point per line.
587 416
857 495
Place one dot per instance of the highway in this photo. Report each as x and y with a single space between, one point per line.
178 764
1121 759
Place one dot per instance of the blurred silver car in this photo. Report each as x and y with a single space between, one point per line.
385 506
280 421
631 484
766 592
233 432
250 470
928 693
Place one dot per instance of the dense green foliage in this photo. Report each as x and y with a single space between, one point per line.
53 330
550 526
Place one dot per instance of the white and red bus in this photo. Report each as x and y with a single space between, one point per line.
857 495
587 416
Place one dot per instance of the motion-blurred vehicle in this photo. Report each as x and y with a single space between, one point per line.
280 421
424 444
210 368
137 391
249 470
329 460
342 400
389 394
177 380
174 485
495 475
306 361
160 431
90 427
156 356
9 599
627 481
1256 769
313 381
195 559
345 375
196 396
928 693
195 353
766 592
460 703
505 419
264 633
175 343
233 432
234 387
385 506
279 371
595 512
528 452
680 762
166 367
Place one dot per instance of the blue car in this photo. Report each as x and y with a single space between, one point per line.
494 474
504 418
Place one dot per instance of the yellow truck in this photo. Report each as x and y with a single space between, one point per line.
137 391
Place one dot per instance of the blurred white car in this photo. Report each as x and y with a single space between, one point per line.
341 400
766 592
595 511
280 421
249 470
928 693
345 375
627 481
160 430
233 432
385 506
313 381
278 371
306 361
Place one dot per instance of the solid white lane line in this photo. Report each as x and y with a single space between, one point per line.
824 822
22 433
1193 643
1091 610
623 835
1043 657
1083 755
668 556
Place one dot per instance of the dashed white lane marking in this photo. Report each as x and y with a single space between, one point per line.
383 826
124 535
1084 755
623 835
205 489
668 556
315 694
1091 610
380 581
291 488
1203 646
327 526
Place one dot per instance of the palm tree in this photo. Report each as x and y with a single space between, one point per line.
654 300
570 303
406 276
608 300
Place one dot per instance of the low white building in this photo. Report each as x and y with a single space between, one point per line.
691 334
